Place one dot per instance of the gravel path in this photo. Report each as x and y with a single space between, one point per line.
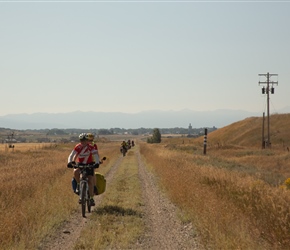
163 228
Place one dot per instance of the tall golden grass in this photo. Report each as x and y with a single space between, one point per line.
35 194
233 193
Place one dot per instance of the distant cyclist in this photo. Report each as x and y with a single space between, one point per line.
124 145
84 153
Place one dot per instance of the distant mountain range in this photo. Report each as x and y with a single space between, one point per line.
144 119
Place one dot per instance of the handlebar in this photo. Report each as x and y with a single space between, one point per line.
84 166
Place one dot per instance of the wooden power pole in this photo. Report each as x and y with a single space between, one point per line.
267 91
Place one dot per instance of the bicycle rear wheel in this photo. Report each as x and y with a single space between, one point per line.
83 198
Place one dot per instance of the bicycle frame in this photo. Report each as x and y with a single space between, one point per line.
84 185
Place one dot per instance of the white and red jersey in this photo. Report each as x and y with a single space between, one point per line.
83 154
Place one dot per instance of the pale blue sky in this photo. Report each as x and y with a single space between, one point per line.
133 56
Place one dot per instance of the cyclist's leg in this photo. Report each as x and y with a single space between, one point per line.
77 178
77 174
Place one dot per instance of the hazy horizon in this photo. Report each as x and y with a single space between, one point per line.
147 119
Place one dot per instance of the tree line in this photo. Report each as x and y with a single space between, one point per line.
45 135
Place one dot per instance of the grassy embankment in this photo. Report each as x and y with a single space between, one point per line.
232 194
36 195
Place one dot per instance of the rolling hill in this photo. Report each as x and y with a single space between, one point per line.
248 132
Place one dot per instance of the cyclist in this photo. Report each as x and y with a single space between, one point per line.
84 153
124 146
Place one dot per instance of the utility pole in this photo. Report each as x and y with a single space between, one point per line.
267 91
263 133
205 141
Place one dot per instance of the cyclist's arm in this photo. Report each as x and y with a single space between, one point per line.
72 156
96 157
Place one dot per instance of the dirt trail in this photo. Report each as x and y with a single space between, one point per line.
163 228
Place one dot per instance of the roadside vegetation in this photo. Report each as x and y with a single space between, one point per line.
237 195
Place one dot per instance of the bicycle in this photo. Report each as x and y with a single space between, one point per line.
84 185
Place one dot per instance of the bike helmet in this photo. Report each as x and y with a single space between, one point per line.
83 136
90 136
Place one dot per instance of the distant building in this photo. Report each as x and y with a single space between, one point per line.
189 129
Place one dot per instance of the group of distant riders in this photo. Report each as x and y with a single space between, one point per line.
125 146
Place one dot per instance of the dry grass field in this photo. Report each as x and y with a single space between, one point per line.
237 195
23 147
35 194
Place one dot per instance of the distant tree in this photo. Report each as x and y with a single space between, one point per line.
156 137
